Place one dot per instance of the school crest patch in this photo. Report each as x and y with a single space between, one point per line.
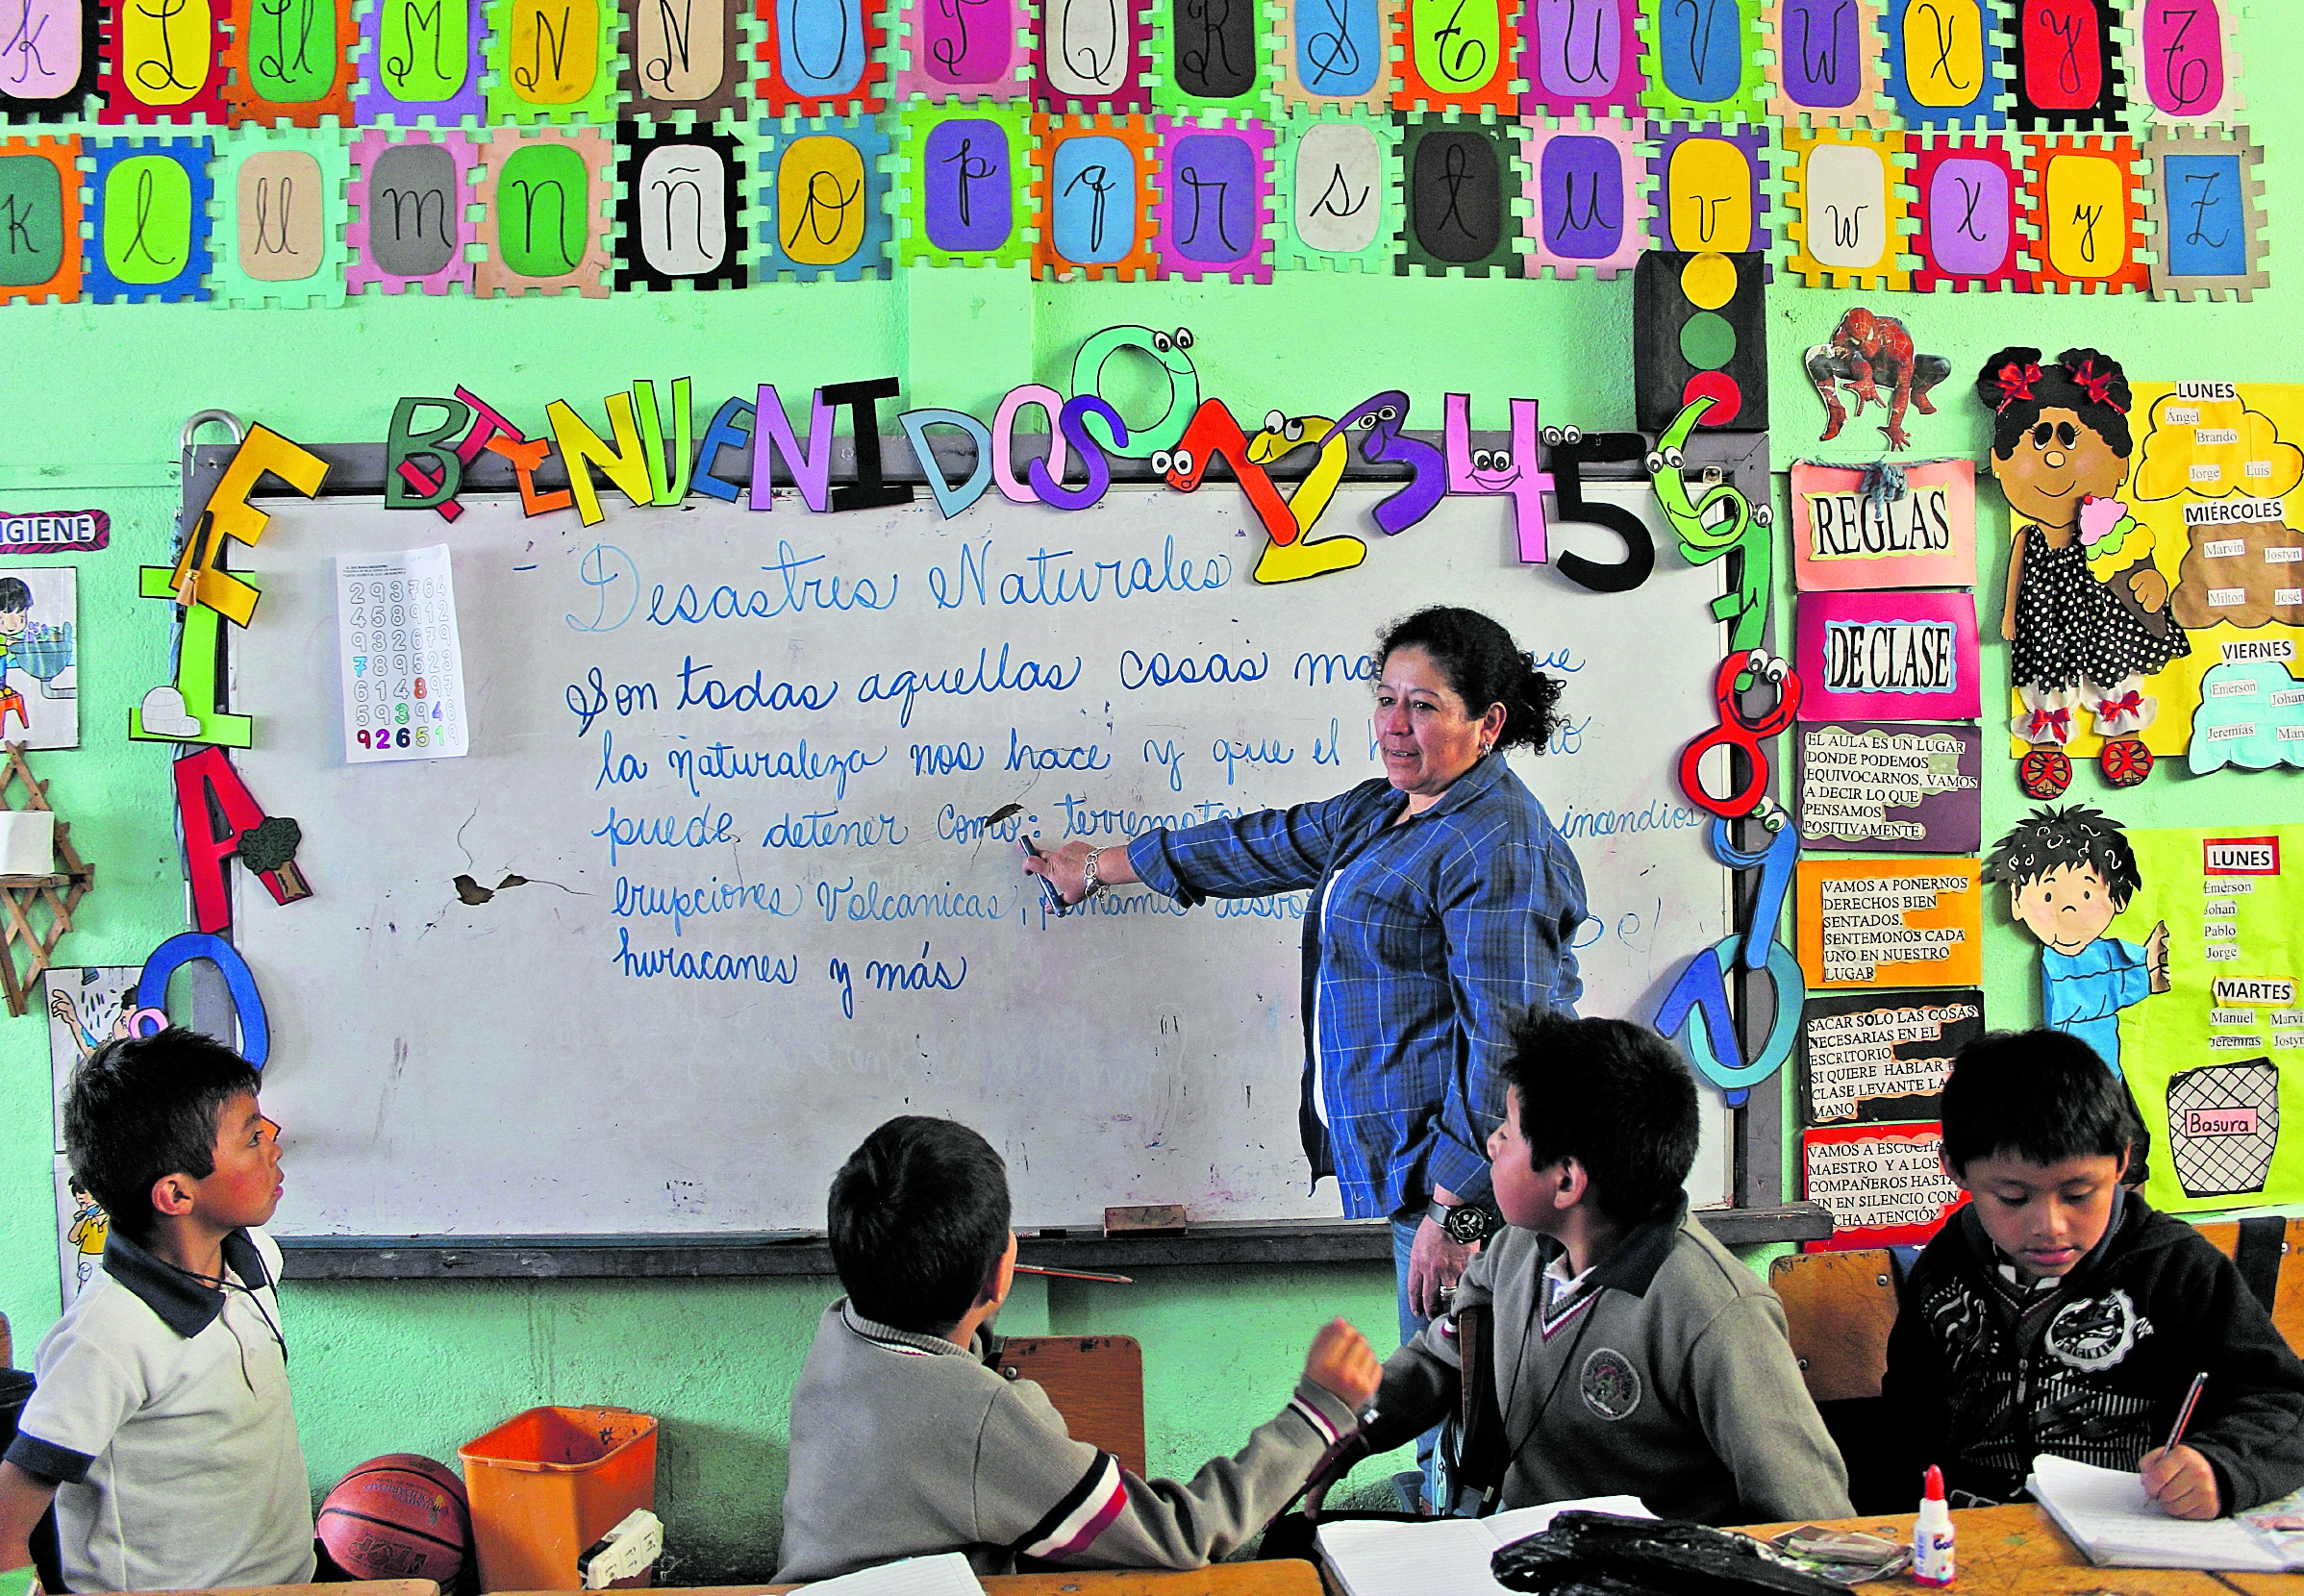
1611 1384
2096 1333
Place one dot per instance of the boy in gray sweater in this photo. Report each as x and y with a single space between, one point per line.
906 1441
1633 1353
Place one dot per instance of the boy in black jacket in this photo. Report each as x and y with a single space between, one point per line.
2056 1313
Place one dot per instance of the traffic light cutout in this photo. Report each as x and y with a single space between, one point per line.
1700 332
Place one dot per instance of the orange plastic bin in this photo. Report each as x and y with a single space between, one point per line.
547 1483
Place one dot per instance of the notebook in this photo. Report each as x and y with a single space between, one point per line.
1374 1558
2105 1513
945 1574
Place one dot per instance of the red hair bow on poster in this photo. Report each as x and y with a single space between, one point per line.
2099 385
2128 705
2015 383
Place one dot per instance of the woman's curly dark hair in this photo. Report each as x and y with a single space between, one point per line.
1484 667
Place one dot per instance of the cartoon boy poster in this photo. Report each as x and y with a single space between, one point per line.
2070 872
39 656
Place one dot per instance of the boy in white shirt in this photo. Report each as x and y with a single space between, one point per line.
162 1426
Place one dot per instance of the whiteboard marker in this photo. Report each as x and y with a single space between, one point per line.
1056 902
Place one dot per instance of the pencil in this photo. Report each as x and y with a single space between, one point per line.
1073 1274
2184 1414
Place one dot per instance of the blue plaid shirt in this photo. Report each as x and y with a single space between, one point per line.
1435 933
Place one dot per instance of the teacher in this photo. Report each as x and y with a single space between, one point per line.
1443 900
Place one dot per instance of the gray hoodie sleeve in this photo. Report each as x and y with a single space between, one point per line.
1044 1495
1421 1381
1757 1415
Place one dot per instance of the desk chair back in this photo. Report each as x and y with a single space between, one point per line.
1095 1382
1837 1309
2269 1252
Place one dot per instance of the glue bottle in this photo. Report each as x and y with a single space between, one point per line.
1932 1535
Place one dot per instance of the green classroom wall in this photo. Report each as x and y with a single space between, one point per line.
424 1366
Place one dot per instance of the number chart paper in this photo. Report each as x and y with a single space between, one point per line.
403 668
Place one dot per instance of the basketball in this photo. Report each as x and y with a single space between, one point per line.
398 1517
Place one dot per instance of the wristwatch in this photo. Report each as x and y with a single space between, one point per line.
1466 1223
1089 880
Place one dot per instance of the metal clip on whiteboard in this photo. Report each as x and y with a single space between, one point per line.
624 1552
184 450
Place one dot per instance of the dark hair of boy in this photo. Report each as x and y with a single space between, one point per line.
2051 839
2041 1095
15 596
1614 1097
140 1108
918 1218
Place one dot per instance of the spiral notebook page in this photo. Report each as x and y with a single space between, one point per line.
2105 1513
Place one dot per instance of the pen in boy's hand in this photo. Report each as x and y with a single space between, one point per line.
2184 1414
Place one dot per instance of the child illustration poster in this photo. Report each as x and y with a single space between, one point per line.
39 656
2086 611
87 1004
2155 542
2214 1062
2069 873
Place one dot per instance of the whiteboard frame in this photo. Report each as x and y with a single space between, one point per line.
1758 1213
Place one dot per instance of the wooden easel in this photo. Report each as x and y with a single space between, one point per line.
24 896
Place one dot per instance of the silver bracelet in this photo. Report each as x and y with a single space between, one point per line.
1089 876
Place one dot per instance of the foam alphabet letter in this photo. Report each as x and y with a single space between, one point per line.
526 455
665 488
1072 422
400 443
949 500
1512 472
811 469
1004 422
216 806
186 709
869 491
731 429
486 424
582 447
261 452
239 982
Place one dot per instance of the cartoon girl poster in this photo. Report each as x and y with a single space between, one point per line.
2086 612
39 656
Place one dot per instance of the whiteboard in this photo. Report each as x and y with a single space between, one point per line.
857 945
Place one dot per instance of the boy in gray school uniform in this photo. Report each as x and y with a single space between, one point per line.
1632 1354
162 1426
906 1441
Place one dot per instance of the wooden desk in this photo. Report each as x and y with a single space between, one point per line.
1285 1577
357 1588
2018 1552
